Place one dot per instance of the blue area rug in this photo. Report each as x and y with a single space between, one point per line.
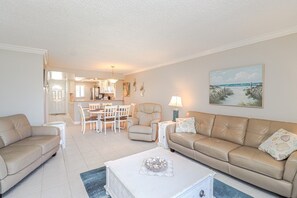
94 181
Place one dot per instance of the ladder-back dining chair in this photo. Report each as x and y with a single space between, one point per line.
109 117
85 120
94 106
122 115
106 104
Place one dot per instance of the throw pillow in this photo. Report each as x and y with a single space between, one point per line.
186 125
280 145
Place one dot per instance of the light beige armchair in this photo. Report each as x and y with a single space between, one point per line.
144 125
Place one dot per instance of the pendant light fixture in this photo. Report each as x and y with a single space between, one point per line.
112 79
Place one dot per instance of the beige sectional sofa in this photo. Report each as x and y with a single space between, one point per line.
23 148
230 144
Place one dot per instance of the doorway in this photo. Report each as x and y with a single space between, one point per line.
57 93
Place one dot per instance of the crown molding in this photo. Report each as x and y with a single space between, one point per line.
242 43
17 48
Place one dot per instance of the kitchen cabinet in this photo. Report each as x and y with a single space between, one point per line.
106 86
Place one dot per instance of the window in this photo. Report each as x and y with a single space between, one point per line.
80 91
55 75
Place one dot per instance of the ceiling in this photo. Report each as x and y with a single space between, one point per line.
138 35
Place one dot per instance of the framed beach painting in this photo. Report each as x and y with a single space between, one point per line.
126 89
241 86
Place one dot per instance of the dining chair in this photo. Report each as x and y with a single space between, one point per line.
85 120
122 115
94 106
106 104
132 110
109 117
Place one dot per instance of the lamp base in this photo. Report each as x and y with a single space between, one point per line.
175 115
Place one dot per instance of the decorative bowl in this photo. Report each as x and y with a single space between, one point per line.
156 164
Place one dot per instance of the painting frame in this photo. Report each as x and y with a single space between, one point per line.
237 86
126 89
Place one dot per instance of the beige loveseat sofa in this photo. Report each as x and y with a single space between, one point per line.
23 148
230 144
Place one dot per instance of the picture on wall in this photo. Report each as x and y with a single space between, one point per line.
241 86
126 89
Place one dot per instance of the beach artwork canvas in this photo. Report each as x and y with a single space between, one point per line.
126 89
242 86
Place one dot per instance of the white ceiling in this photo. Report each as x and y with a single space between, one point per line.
136 35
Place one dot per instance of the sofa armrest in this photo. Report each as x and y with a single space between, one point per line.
132 121
3 168
291 167
170 129
45 130
154 124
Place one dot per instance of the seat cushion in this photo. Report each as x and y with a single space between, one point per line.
186 139
18 157
258 161
46 142
140 129
216 148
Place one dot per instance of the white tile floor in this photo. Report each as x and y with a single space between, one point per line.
59 176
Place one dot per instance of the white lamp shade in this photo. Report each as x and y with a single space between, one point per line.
175 101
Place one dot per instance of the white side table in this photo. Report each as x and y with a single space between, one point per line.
162 133
62 127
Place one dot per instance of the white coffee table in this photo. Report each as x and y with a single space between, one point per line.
123 178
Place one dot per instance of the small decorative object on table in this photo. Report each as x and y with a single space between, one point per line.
156 164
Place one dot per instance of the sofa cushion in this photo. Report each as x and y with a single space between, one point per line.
21 125
145 119
216 148
259 130
256 132
8 134
258 161
19 157
230 128
186 139
141 129
203 122
46 142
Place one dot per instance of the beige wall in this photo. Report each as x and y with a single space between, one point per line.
21 85
190 80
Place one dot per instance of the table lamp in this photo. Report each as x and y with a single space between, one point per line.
175 102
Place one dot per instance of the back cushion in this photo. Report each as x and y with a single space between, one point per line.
203 122
144 118
8 134
21 125
256 132
276 125
149 108
260 130
230 128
